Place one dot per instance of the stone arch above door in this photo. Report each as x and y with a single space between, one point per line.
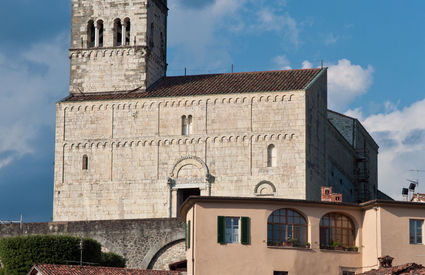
189 170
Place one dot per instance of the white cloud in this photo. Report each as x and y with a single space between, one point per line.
282 62
31 84
200 38
346 81
197 37
278 21
307 65
401 136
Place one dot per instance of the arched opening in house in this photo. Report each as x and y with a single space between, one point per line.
286 226
117 32
336 230
100 33
127 27
91 34
271 156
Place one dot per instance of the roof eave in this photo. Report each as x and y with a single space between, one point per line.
315 78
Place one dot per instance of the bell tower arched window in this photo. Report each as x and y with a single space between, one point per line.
271 156
118 32
127 27
99 33
91 34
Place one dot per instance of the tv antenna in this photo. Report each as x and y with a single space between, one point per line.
406 192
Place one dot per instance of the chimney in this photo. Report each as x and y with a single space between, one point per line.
386 261
327 195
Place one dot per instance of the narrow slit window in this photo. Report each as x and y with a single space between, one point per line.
85 162
271 156
184 126
100 33
91 34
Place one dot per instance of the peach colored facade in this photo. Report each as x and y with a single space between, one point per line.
381 228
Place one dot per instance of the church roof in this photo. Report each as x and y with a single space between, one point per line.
209 84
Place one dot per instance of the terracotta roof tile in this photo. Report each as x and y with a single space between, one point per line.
91 270
232 83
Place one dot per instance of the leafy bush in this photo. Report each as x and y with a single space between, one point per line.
19 254
111 260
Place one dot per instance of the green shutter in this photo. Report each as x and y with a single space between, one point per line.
220 230
188 235
245 230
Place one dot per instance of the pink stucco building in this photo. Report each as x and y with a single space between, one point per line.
279 236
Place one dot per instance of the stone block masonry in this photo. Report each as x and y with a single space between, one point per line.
144 243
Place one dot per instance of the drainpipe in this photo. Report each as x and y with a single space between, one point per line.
376 233
193 239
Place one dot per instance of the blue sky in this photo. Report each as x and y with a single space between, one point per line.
375 51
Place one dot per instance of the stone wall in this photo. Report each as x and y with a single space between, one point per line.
316 100
168 255
136 150
141 242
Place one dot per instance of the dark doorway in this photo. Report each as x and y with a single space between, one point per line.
179 266
183 194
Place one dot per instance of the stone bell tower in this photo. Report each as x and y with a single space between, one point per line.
117 45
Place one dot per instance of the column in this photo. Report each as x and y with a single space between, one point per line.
96 36
123 34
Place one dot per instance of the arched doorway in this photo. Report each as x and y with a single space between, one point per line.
189 177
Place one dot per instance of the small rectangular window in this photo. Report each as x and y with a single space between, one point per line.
280 272
415 231
231 230
348 273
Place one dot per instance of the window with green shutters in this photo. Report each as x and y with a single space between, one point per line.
233 230
220 230
245 227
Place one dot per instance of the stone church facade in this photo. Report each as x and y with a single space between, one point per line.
133 143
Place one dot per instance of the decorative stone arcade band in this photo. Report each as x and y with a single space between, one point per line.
121 33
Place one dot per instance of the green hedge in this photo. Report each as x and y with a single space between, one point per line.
111 260
19 254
